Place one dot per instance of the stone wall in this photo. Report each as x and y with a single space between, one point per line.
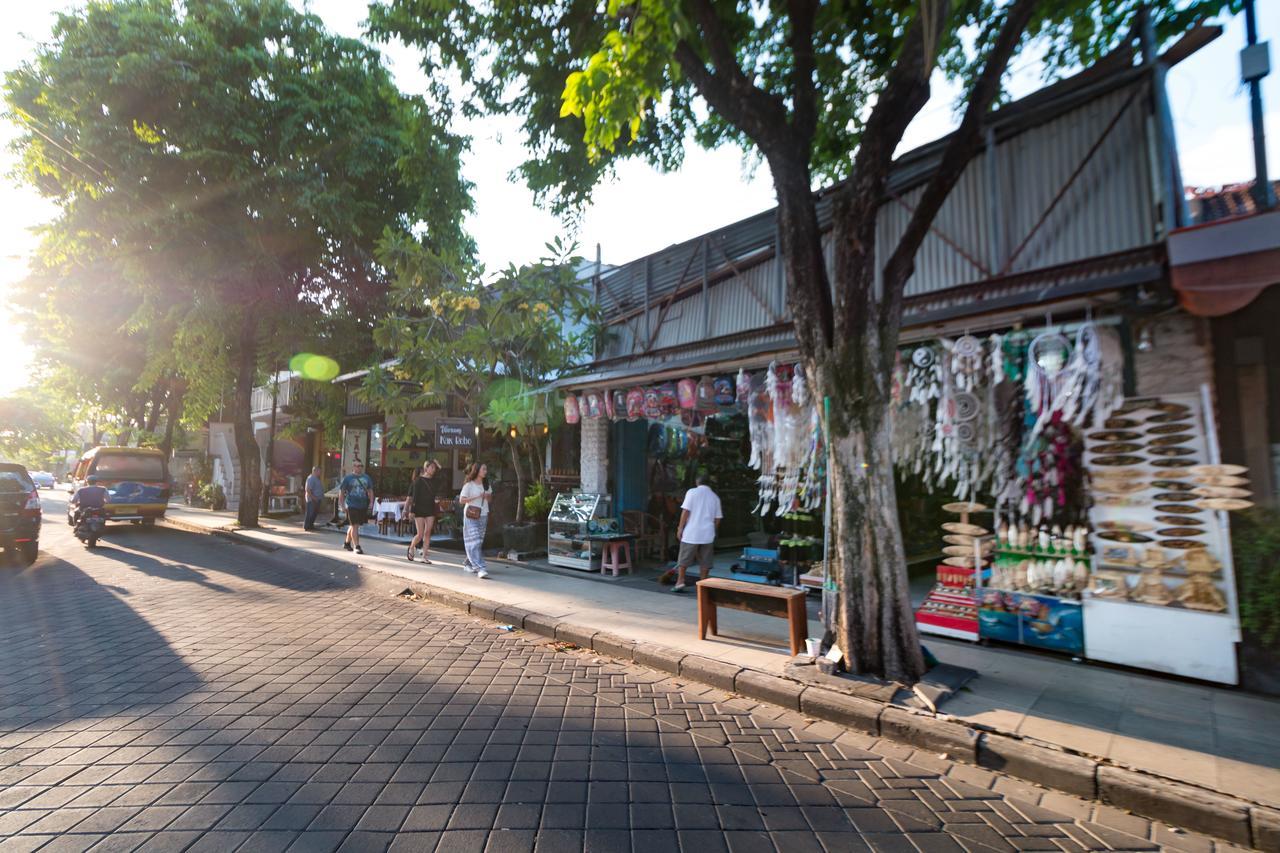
1180 360
595 455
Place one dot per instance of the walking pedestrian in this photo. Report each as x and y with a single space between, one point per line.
700 516
423 508
313 493
475 498
356 493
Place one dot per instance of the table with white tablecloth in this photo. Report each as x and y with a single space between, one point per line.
390 510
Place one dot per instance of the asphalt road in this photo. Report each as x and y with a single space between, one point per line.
172 691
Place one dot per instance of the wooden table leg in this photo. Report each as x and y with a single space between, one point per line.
703 602
798 617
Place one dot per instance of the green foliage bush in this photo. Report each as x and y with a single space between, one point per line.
537 504
1255 545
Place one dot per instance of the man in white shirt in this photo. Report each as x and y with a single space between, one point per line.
700 516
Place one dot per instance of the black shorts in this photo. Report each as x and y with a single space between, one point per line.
357 515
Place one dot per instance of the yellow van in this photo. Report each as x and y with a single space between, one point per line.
134 478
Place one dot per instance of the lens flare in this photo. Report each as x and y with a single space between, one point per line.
319 368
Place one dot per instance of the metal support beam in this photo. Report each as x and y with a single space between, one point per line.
995 219
1174 201
706 295
1263 193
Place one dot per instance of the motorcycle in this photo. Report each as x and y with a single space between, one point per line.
89 525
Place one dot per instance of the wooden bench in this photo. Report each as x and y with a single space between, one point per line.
783 602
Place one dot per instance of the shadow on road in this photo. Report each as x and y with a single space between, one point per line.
69 648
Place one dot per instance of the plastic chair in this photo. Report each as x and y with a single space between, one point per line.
616 555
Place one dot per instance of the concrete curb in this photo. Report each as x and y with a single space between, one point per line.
1155 797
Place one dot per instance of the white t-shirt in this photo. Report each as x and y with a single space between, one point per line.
704 508
473 489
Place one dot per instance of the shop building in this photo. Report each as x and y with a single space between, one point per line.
1051 256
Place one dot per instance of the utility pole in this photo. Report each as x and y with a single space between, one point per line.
1255 63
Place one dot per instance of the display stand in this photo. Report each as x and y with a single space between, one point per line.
570 526
951 608
1144 617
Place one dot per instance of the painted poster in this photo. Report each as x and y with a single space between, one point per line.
355 448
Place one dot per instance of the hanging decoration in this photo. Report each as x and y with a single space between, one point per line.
595 405
785 442
705 396
687 394
635 404
571 409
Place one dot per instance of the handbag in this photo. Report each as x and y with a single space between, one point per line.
472 512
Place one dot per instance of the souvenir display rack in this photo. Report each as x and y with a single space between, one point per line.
574 516
1163 594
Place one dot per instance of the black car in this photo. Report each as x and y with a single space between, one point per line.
20 513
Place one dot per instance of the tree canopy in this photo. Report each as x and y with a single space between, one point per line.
593 89
228 167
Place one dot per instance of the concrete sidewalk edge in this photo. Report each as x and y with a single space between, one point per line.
1149 795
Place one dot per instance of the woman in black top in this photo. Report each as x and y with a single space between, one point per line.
422 508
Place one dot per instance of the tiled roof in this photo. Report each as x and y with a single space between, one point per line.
1209 204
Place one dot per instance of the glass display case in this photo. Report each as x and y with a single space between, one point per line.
569 525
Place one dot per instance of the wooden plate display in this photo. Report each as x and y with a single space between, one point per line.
1122 536
1118 487
1169 417
1169 429
1120 524
1228 504
1219 470
959 562
1116 461
959 539
1180 531
1222 492
958 551
1169 440
965 529
1181 544
1180 464
1117 447
1175 450
1115 435
1223 481
1121 423
1120 500
1178 519
1173 485
963 506
1177 496
1178 509
1170 408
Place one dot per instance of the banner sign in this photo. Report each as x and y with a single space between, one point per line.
455 433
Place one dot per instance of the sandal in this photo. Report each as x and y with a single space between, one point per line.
410 554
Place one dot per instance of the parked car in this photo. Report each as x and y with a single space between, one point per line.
20 513
43 479
134 478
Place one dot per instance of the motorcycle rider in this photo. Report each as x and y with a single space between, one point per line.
91 496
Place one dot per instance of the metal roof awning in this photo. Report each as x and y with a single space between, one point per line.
1221 266
927 315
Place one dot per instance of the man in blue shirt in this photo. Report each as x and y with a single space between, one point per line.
356 493
91 496
314 492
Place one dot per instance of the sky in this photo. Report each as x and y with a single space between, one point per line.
642 210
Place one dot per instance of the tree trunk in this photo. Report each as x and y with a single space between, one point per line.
246 446
515 460
875 625
844 351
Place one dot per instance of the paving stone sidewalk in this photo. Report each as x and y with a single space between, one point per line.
1217 739
172 691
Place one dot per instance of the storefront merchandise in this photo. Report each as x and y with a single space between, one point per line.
573 520
1161 543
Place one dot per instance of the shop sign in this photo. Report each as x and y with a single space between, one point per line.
455 433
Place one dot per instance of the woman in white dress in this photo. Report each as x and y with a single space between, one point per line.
475 517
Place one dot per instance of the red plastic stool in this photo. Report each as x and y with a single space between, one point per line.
615 556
